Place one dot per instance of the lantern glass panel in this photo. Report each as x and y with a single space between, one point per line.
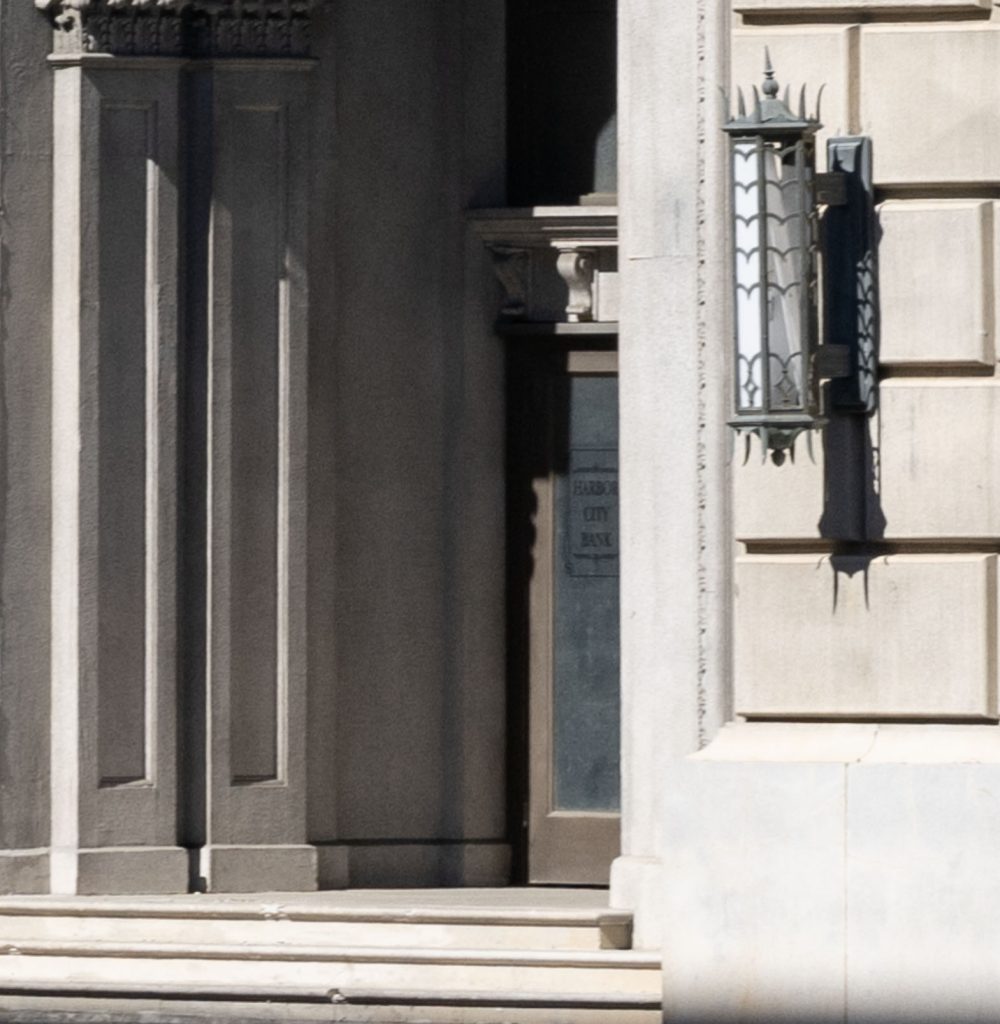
747 209
787 224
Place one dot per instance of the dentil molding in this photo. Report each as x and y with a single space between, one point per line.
180 28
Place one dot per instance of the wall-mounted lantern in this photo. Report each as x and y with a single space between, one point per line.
779 361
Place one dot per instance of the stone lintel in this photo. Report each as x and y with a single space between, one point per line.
553 261
545 226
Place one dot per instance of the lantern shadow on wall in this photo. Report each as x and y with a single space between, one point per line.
799 236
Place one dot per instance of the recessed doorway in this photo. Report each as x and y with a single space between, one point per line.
564 611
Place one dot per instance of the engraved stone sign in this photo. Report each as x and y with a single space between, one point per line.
592 528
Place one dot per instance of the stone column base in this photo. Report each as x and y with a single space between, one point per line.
24 872
286 868
839 873
120 870
637 886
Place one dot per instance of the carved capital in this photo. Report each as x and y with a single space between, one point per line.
181 28
576 267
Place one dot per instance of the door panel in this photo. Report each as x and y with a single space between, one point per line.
572 623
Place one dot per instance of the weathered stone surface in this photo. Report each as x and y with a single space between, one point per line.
753 881
674 443
940 448
776 502
807 56
921 127
811 635
798 862
936 285
947 819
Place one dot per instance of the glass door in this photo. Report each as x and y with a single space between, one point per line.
572 620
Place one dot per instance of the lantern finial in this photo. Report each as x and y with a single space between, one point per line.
770 86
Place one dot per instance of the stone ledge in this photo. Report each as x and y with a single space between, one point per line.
901 7
854 743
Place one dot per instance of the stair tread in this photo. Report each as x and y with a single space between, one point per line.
613 958
350 995
492 997
519 907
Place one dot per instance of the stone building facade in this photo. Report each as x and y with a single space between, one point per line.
840 820
275 277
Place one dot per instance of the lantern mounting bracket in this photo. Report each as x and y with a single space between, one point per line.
831 362
831 188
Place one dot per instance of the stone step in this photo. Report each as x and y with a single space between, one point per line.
290 923
58 1002
355 1006
581 972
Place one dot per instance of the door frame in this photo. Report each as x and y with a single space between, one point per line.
550 846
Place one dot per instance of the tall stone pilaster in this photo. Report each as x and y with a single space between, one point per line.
674 443
251 141
114 450
137 86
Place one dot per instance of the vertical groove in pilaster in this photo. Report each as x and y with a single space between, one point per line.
702 383
712 331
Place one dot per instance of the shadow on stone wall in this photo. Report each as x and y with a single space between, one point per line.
853 517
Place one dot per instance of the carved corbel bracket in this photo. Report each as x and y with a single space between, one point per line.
576 267
180 28
513 268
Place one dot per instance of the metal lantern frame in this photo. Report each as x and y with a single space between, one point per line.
775 230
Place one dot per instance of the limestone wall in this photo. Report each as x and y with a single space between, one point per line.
884 633
832 870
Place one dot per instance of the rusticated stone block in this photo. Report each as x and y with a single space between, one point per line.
935 282
940 448
807 56
923 130
819 637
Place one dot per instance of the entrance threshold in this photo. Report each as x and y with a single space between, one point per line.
361 955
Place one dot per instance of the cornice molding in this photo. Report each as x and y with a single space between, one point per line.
181 28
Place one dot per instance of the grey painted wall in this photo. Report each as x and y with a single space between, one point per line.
406 390
25 262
